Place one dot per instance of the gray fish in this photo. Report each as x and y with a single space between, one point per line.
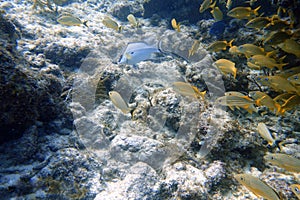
136 52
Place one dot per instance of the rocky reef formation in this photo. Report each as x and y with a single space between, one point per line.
27 95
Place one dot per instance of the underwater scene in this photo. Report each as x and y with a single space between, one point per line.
150 99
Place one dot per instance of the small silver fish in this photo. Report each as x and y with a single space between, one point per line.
119 102
136 52
256 186
71 20
265 133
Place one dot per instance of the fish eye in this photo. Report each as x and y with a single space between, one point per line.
242 178
131 52
297 189
266 79
258 78
296 77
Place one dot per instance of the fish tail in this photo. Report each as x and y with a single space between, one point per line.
202 94
120 28
230 43
85 23
178 27
231 108
271 53
161 50
281 59
258 101
234 72
213 5
255 10
249 110
280 66
159 47
279 109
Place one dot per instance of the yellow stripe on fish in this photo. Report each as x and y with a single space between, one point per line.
290 46
265 61
243 12
290 104
262 99
219 45
235 101
289 72
276 37
258 22
187 89
294 79
251 108
284 161
257 187
253 66
278 83
277 24
250 50
282 98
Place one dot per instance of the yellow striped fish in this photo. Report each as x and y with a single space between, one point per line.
258 187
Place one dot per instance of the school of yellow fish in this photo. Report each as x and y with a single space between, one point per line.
279 40
279 43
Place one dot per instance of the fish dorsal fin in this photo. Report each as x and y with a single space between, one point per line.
137 45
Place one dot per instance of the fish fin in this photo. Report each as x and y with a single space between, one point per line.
249 110
277 143
279 109
161 50
159 47
255 10
128 56
230 43
120 28
232 108
213 5
85 23
270 53
190 53
281 59
247 98
274 17
258 101
234 72
245 107
280 66
178 27
202 94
